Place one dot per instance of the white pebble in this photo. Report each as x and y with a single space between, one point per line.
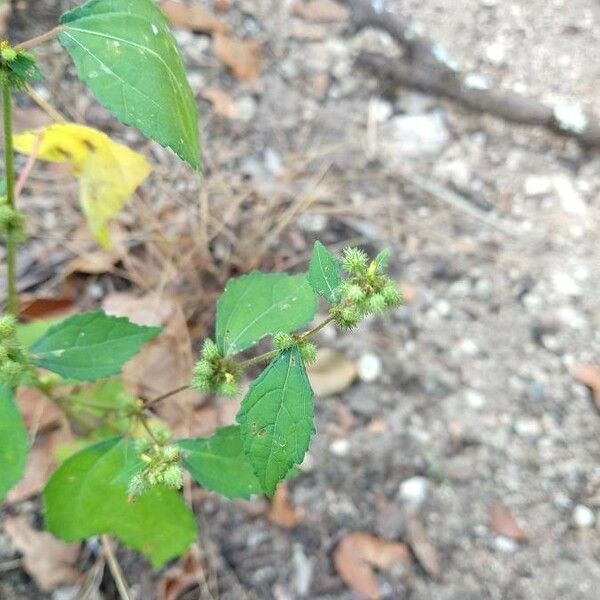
474 399
413 492
583 517
340 447
505 544
369 367
528 428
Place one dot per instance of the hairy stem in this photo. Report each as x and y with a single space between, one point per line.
165 396
11 242
40 39
273 353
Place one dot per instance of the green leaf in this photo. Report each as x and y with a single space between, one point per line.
13 442
276 419
91 345
324 272
218 463
87 496
124 51
28 333
259 304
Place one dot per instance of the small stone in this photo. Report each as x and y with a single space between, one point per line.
67 593
496 54
340 447
303 571
414 103
504 544
468 347
246 108
569 196
566 285
442 307
96 291
528 428
380 110
413 492
273 161
414 136
537 185
474 399
369 367
583 517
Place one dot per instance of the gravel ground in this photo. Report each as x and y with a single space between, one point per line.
475 395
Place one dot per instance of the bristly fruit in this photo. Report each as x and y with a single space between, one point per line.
367 290
214 372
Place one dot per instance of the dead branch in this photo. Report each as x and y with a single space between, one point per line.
426 67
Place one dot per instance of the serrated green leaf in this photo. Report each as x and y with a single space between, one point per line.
13 442
276 419
91 345
124 51
28 333
324 272
218 463
87 496
260 304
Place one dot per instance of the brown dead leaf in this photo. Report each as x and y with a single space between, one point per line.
503 523
222 102
92 263
358 553
241 56
282 512
332 373
38 412
193 17
49 561
422 547
321 11
165 363
46 308
182 577
589 375
41 461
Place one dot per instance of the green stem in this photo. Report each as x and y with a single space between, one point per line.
273 353
258 359
165 396
11 242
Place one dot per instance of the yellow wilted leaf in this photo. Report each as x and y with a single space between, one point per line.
108 172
